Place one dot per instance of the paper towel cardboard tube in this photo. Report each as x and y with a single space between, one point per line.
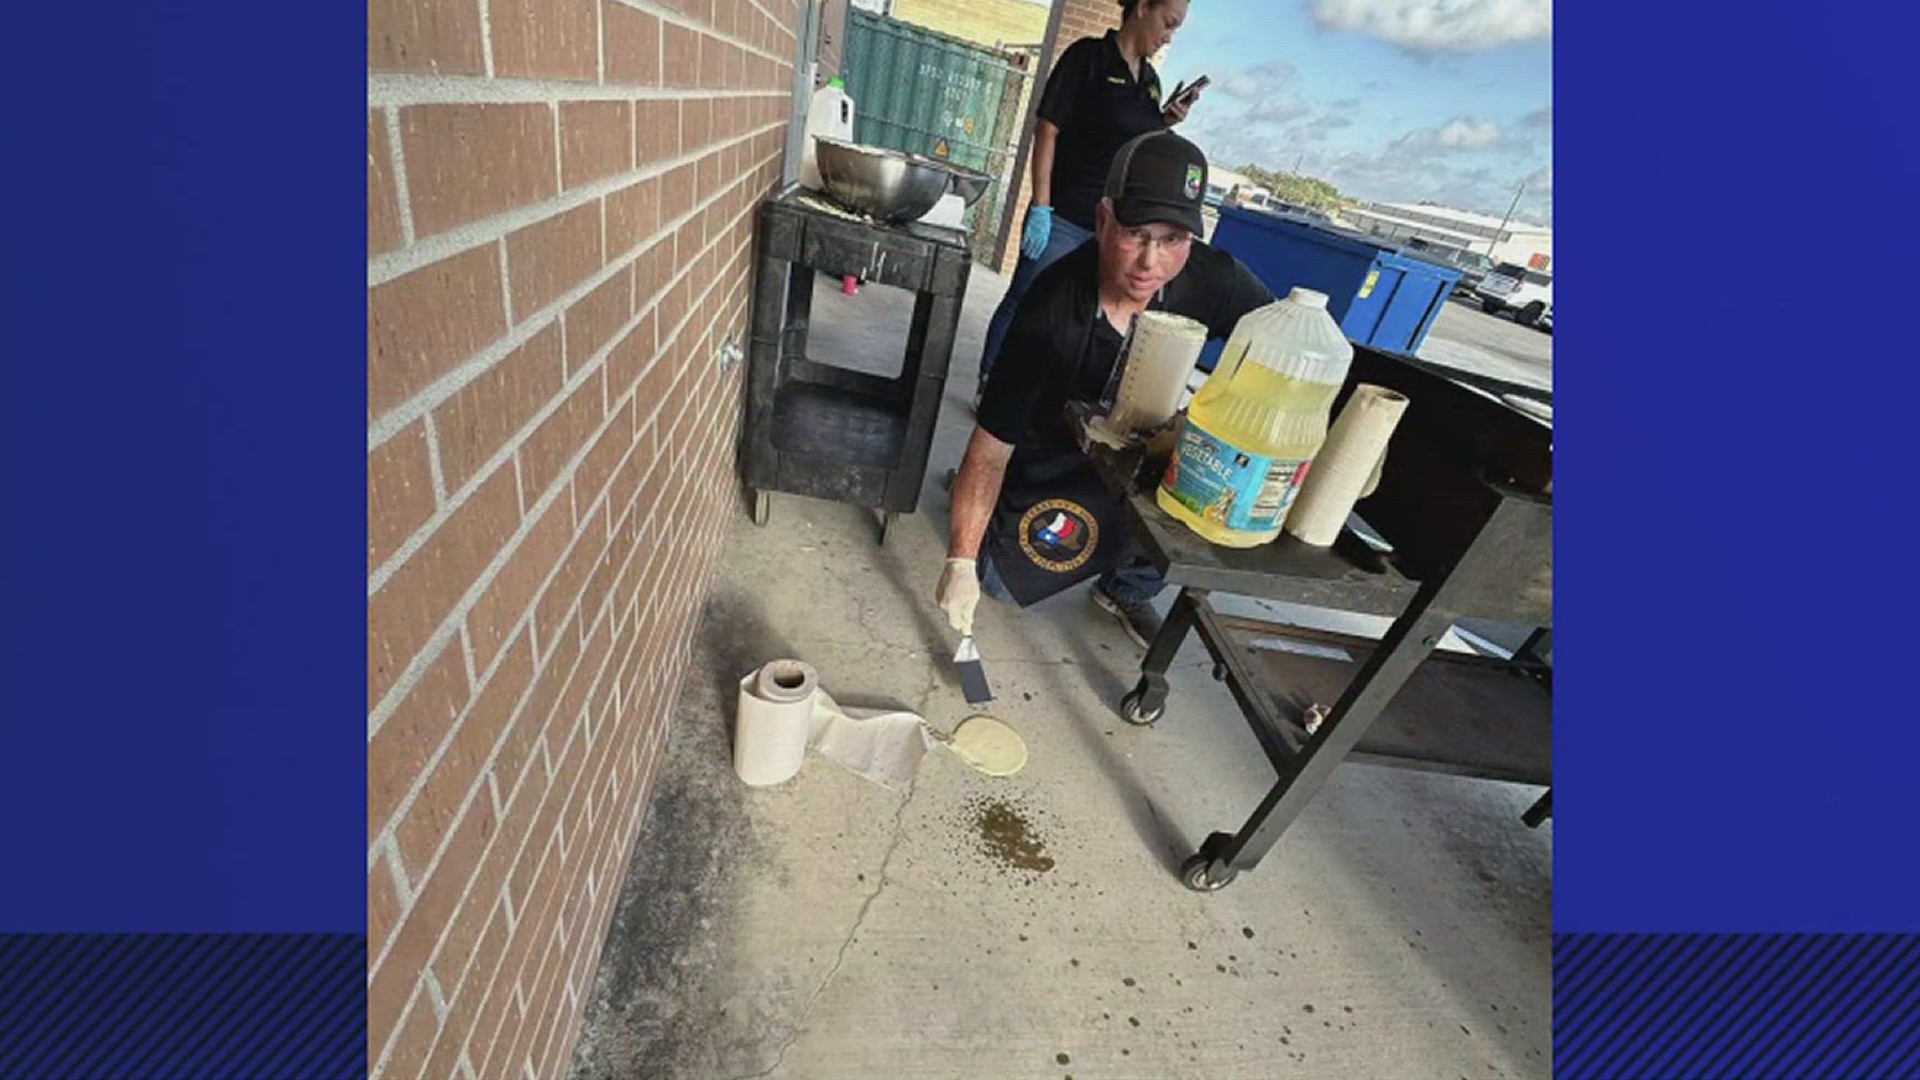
1347 469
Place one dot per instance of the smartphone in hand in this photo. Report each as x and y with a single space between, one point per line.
1185 94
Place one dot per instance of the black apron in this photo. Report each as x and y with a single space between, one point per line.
1058 524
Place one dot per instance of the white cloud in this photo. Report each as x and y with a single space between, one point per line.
1259 82
1466 133
1277 111
1462 134
1317 129
1428 27
1469 162
1538 118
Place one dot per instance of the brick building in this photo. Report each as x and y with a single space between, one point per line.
560 198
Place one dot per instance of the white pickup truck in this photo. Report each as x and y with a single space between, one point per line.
1526 293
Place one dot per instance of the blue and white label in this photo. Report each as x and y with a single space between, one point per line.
1228 486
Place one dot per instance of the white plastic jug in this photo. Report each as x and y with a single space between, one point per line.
1253 430
829 113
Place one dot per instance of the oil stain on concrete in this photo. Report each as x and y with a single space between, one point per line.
1007 838
655 998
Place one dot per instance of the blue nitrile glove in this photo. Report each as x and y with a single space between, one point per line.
1033 243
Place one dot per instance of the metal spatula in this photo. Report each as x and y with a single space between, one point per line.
973 674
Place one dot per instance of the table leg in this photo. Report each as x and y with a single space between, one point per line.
1148 700
1540 811
1410 640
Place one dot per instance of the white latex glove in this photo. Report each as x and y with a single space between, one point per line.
959 593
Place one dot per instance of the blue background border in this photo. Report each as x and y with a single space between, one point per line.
184 562
1735 731
184 441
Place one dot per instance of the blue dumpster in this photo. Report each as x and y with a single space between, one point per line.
1381 299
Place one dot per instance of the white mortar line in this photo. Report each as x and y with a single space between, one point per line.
401 687
600 43
466 648
486 36
400 416
433 461
397 90
434 994
397 161
456 620
425 252
506 282
668 15
519 475
439 854
559 153
400 887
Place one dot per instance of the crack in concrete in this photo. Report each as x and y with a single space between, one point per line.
840 958
862 613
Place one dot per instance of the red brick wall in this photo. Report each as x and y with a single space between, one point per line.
560 198
1078 19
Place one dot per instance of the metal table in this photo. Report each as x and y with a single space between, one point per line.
1465 508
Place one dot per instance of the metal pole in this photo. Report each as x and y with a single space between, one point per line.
1511 207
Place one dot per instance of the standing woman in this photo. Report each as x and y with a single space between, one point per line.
1101 94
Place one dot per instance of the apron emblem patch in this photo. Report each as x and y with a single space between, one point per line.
1059 535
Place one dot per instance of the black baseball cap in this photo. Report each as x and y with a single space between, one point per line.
1159 177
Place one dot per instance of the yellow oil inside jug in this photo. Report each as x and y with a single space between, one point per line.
1254 427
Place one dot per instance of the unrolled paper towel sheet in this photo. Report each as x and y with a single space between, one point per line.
1348 466
784 712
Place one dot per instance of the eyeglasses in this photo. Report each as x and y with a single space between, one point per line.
1135 239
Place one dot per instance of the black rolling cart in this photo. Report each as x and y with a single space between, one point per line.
813 428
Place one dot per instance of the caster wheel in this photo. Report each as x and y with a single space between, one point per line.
886 526
1219 673
1131 711
1202 874
762 507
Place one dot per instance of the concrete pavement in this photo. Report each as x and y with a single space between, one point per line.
1034 926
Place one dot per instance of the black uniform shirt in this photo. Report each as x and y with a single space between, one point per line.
1098 105
1061 348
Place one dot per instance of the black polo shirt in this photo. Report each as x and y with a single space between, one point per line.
1061 348
1097 104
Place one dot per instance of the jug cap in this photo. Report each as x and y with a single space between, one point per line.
1308 297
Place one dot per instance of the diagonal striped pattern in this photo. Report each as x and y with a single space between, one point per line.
1680 1006
188 1006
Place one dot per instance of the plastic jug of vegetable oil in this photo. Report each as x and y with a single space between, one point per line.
1253 429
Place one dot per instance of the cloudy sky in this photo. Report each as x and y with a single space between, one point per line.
1391 100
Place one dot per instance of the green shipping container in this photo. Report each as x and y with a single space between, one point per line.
928 93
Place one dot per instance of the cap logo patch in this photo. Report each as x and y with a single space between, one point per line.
1195 179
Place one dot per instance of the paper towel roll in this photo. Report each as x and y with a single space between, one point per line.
1347 468
784 712
774 722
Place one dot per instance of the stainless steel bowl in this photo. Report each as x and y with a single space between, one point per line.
888 185
967 184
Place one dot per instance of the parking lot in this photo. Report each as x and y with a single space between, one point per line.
1468 338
